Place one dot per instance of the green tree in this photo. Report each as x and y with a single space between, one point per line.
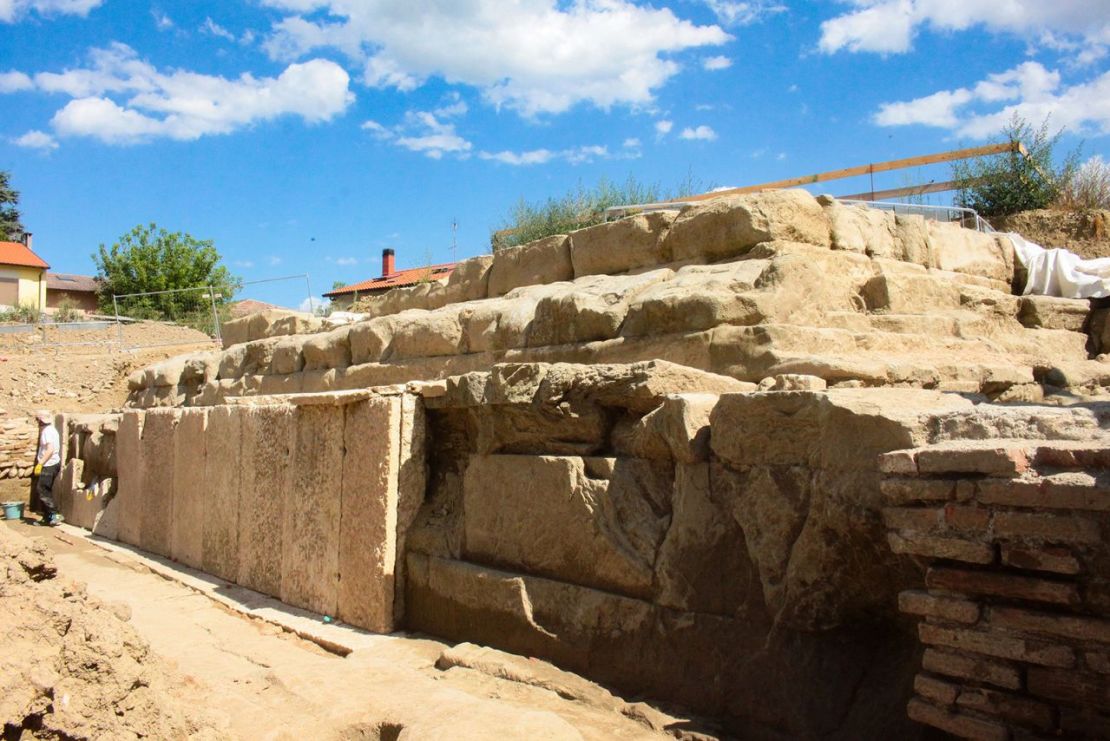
149 259
1005 184
336 285
11 229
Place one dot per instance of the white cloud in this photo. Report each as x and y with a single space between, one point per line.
346 261
703 133
36 140
539 56
244 263
212 28
736 13
120 98
716 63
14 82
161 21
889 26
274 260
375 128
430 136
1029 90
662 128
313 304
631 143
13 10
573 155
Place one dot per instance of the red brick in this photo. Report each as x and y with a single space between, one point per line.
937 690
1063 626
958 724
970 519
1055 560
965 491
1053 528
1077 491
1002 585
1070 687
997 461
913 518
977 668
932 546
907 491
997 644
945 608
1014 708
898 461
1010 493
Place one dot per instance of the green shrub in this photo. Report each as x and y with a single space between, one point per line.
1087 188
22 314
1005 184
66 311
580 208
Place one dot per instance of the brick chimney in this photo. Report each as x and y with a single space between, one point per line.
387 263
27 239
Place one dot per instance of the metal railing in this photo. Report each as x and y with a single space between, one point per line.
966 217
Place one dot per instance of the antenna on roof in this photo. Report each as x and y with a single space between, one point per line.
454 232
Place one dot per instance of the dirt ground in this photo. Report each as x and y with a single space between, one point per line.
83 370
1086 233
211 672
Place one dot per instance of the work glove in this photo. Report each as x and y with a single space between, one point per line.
37 470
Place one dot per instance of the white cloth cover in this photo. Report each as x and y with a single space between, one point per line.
1059 272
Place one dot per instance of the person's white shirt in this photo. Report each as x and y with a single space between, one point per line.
49 435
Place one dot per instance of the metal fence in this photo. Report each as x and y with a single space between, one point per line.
966 217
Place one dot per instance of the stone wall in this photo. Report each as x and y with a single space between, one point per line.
17 448
675 535
306 499
749 287
1014 613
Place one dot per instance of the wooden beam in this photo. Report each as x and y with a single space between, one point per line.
909 190
900 164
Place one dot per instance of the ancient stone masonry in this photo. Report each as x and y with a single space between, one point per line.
1014 613
305 500
17 448
750 287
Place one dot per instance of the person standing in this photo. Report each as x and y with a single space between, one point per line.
48 461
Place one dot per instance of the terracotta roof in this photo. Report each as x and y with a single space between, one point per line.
398 279
16 253
71 282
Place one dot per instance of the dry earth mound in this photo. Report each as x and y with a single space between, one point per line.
1086 233
71 666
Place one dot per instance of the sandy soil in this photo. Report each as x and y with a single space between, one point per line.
253 680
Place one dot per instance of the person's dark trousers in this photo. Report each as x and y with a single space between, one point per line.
43 489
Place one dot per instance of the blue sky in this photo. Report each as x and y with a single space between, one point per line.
303 136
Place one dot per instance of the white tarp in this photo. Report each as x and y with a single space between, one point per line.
1059 272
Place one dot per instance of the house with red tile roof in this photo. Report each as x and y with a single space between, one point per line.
390 278
81 291
22 275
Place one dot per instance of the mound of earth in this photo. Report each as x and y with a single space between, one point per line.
1086 233
72 667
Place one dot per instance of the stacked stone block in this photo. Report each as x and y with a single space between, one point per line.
1015 610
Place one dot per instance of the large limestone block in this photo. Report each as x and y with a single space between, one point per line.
200 368
168 372
295 323
1048 312
310 532
129 461
370 340
259 355
804 283
235 331
159 432
328 350
265 476
858 228
469 280
589 309
697 297
546 260
547 516
222 487
412 478
189 454
678 430
619 246
425 334
973 252
514 315
729 226
276 322
288 355
232 360
840 428
903 288
368 529
292 383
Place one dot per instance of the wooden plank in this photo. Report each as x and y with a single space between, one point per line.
899 164
909 190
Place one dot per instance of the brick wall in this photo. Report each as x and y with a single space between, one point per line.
1012 539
